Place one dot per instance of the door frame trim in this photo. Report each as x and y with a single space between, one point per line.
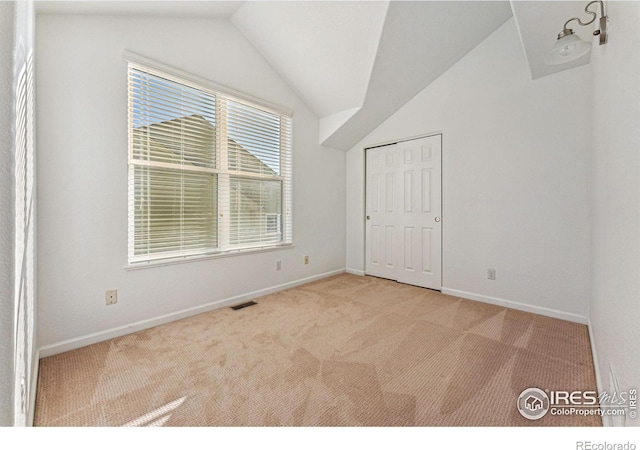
397 141
442 207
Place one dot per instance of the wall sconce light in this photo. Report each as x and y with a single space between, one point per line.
569 46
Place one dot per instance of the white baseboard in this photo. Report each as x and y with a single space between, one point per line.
556 314
606 421
83 341
355 271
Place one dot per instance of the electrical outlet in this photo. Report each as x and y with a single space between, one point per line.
111 297
491 274
306 260
278 265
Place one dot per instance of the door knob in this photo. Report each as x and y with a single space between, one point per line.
437 219
368 217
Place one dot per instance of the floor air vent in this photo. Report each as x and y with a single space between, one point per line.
243 305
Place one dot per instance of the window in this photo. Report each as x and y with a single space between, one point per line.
273 223
209 172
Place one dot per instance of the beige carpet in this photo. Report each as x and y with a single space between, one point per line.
344 351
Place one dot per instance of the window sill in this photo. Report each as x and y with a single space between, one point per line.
194 258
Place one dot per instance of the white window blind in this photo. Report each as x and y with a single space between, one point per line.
208 172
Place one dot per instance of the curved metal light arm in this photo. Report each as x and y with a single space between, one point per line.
602 32
570 47
591 13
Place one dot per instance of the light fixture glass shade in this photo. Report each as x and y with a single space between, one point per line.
568 48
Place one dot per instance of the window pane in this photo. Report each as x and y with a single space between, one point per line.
256 211
171 122
254 139
174 210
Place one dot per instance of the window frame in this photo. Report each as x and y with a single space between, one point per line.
223 95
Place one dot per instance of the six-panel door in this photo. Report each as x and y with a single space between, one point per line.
403 208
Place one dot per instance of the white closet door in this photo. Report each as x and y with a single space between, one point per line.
382 197
404 204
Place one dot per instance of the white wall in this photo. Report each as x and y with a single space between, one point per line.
82 175
7 19
615 198
515 165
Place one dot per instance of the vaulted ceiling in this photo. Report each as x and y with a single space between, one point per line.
355 63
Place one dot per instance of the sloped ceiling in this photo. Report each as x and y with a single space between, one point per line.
420 41
356 63
325 50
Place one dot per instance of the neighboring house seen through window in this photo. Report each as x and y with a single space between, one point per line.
209 172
